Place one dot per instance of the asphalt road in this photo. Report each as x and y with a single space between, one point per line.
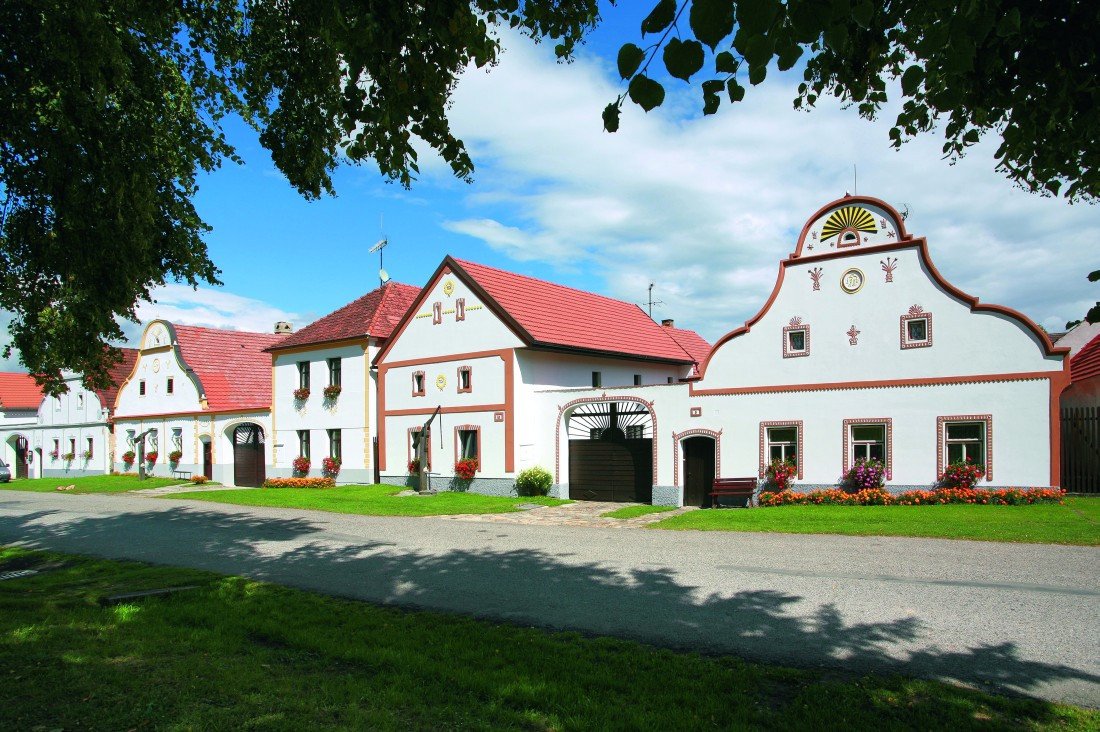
1019 618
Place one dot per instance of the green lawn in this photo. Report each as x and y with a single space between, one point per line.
1076 522
237 654
369 500
89 484
630 512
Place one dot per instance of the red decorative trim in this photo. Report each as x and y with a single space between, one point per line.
427 448
678 437
889 422
853 336
696 411
795 326
469 379
471 428
888 266
848 201
988 419
916 312
421 389
460 309
437 313
815 275
602 398
907 242
841 244
797 423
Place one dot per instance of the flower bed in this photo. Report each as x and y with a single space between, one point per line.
939 496
300 483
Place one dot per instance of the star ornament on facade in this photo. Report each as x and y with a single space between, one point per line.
853 336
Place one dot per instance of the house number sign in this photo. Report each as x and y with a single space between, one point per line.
851 281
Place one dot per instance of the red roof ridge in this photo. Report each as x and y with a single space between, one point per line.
588 293
18 390
1085 363
347 322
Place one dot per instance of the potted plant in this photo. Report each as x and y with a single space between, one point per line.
779 474
330 467
151 457
55 454
301 465
414 466
962 474
128 458
332 391
866 473
466 468
69 457
301 394
87 454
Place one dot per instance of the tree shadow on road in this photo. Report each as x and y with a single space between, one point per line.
535 588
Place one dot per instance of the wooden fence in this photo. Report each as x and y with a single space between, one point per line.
1081 449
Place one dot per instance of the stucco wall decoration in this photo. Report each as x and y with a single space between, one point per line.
846 224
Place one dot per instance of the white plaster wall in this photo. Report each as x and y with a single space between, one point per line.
443 455
480 331
352 412
486 379
155 369
964 342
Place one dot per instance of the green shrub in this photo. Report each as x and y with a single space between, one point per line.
534 481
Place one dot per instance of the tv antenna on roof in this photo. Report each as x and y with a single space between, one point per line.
383 276
653 302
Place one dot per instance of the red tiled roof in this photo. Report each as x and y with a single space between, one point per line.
1086 364
376 314
556 315
18 391
231 364
119 373
691 342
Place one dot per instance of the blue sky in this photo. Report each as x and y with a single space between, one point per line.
702 207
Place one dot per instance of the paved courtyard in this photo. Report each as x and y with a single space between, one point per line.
1016 618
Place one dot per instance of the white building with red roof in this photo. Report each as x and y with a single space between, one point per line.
201 395
19 400
863 349
480 345
323 403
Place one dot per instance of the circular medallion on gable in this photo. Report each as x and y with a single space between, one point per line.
448 287
441 382
852 281
156 365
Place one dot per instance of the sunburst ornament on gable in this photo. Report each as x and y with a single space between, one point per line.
848 218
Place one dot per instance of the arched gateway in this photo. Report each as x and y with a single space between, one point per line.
248 455
610 451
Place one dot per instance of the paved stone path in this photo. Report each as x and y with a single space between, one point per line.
1009 617
167 490
579 513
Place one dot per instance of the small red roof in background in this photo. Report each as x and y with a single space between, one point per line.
690 341
231 364
557 315
119 373
18 391
375 314
1086 363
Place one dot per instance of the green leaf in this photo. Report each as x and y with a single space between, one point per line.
1009 24
683 58
735 90
971 137
660 17
711 20
711 102
756 16
758 50
862 13
757 74
911 79
630 58
1094 277
725 63
611 117
789 55
646 92
713 86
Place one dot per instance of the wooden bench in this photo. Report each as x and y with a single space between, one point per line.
182 474
740 489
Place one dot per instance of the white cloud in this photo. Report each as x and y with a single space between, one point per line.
209 307
706 207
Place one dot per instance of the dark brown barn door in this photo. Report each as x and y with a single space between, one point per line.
698 470
21 457
208 460
611 470
248 455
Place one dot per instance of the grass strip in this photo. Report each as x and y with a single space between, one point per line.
1074 522
369 500
629 512
89 484
238 654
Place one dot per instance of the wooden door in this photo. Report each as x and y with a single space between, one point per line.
611 470
21 457
248 455
208 460
698 470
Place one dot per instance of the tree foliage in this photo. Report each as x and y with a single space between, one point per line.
112 107
1024 70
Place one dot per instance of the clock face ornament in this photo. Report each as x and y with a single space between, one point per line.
852 280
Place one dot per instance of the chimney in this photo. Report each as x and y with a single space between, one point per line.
283 327
667 323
